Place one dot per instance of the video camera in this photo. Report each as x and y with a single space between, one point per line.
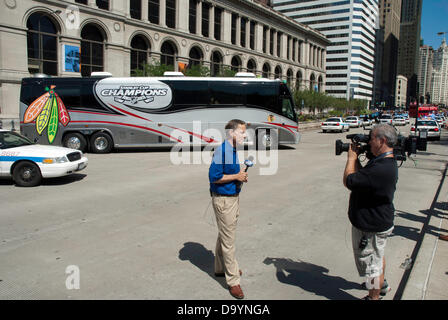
402 149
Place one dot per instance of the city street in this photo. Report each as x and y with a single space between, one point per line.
136 226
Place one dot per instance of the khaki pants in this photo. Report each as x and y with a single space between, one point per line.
227 210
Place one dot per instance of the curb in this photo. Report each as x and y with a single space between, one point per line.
305 126
416 286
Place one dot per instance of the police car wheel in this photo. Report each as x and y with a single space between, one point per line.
101 142
27 174
75 140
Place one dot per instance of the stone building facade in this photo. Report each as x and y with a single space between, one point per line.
75 37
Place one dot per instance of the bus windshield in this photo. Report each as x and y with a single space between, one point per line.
287 103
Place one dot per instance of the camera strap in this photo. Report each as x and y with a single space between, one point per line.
381 156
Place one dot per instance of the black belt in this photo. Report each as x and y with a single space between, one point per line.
214 194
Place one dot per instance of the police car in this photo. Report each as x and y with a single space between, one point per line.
27 163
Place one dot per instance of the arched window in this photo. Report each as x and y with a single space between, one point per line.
320 83
169 52
92 50
216 63
299 79
266 70
42 44
312 82
251 66
139 52
236 64
195 57
278 72
289 77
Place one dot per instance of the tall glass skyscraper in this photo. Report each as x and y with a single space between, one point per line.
350 25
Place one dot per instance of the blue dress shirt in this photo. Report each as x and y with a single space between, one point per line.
225 161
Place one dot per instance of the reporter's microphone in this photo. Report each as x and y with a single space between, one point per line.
249 163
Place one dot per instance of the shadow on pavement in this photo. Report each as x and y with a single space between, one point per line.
202 258
312 278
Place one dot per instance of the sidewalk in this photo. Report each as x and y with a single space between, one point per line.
428 279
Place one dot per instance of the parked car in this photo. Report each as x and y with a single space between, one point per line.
27 163
335 124
366 120
406 118
441 120
399 121
353 121
431 126
386 118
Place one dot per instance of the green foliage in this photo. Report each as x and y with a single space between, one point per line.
197 71
155 69
226 72
316 101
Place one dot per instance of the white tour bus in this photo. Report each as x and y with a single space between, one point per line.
99 113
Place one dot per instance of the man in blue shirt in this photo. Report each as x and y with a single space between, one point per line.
226 178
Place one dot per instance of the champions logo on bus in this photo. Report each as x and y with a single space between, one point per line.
48 110
134 94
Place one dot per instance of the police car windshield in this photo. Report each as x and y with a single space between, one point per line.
12 140
426 123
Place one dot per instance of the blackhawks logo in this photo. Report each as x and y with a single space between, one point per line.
47 110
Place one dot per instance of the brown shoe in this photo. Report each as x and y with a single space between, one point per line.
444 237
236 292
221 274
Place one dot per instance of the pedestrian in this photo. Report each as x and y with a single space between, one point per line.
226 178
371 209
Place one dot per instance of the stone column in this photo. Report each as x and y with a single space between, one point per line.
199 18
268 41
238 31
227 26
182 15
274 43
258 37
211 22
145 9
162 13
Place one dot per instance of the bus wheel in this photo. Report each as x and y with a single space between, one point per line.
101 142
266 139
75 140
26 174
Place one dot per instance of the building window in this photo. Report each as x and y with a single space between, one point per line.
271 42
139 52
265 36
171 13
251 66
234 21
278 72
218 17
153 11
279 44
299 81
42 44
103 4
168 56
195 57
92 50
81 1
205 19
243 32
236 64
216 64
288 56
266 70
289 77
136 9
192 16
252 35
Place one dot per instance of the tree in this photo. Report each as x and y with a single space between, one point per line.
197 71
155 69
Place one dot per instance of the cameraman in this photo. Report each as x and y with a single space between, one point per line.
371 209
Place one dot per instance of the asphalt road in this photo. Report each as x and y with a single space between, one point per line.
136 226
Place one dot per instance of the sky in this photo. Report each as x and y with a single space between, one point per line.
434 19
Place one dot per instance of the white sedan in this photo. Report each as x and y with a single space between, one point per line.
354 121
27 163
431 126
399 121
334 124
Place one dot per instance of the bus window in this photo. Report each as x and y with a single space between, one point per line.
287 108
188 93
265 98
227 93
